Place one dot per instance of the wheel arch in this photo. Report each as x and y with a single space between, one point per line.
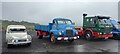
88 29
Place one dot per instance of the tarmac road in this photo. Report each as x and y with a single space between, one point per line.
79 45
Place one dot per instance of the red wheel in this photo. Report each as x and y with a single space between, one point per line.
52 38
39 36
88 35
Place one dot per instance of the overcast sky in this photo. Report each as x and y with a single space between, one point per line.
60 0
44 12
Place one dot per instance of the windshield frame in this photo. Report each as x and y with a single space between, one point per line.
17 30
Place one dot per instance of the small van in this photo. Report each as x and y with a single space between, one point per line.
17 35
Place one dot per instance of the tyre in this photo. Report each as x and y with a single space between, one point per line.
116 37
9 45
70 41
104 39
88 35
52 38
28 44
40 37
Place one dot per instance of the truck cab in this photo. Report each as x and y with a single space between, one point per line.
116 29
17 35
63 28
96 27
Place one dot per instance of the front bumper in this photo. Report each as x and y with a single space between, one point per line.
20 43
104 36
116 33
67 38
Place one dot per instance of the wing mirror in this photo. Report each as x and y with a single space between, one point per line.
73 23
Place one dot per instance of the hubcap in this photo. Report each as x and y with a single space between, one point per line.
88 36
52 38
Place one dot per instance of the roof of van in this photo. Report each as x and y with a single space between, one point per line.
16 26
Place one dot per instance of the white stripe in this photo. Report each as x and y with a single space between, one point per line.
59 38
66 38
75 37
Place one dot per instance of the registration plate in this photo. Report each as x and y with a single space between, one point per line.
106 37
70 38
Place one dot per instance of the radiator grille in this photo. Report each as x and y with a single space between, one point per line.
22 40
69 32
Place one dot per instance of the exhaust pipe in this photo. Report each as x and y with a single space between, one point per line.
84 15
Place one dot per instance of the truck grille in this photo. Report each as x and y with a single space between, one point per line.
22 40
107 30
69 32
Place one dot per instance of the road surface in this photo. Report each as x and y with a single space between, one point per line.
79 45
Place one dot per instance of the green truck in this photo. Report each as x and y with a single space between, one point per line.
95 27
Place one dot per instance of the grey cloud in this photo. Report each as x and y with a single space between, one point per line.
44 12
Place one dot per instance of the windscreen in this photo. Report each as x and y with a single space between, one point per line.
17 30
104 21
64 22
117 25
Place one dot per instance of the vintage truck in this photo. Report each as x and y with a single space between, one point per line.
95 27
59 29
116 29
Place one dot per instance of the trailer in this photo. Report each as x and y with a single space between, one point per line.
116 29
95 27
59 29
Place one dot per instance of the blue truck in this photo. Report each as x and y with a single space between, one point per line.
116 29
59 29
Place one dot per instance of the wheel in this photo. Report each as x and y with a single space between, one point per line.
104 39
88 35
40 37
71 41
116 37
9 45
28 44
52 38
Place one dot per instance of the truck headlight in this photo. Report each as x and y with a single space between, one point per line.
77 33
59 33
100 33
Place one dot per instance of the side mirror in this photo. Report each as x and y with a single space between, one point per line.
73 23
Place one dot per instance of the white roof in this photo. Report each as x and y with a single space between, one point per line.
16 26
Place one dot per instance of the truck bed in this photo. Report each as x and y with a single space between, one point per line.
42 27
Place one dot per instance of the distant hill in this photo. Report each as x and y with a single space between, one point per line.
5 23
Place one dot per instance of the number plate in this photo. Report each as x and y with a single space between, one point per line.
70 38
106 37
